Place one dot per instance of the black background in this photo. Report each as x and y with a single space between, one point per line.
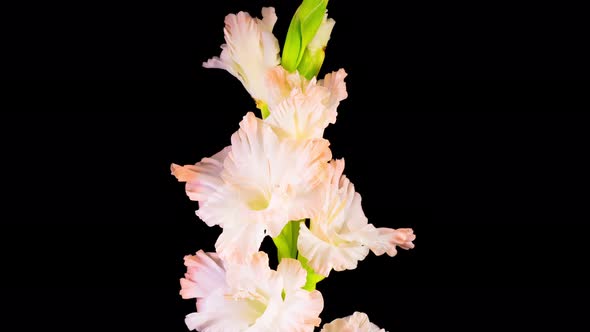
491 174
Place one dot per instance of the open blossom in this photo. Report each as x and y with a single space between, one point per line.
250 50
255 190
357 322
249 296
339 234
303 108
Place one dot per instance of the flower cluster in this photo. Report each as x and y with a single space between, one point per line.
278 179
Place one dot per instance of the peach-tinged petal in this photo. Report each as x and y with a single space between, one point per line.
301 313
325 256
202 179
244 274
217 314
240 240
205 273
334 82
302 116
301 109
387 239
357 322
293 274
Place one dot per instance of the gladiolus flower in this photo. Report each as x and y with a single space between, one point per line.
249 296
340 235
250 50
257 189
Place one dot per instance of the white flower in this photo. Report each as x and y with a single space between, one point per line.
357 322
261 180
302 116
282 85
253 297
340 235
250 51
301 109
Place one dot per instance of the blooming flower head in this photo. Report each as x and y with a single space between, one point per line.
250 51
254 190
249 296
357 322
339 234
301 109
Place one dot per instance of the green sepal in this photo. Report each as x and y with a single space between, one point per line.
311 63
263 107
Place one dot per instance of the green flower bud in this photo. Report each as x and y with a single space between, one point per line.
302 30
314 54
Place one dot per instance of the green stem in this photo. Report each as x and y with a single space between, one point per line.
312 277
286 242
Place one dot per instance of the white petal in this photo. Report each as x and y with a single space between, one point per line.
220 314
324 255
247 273
385 240
205 274
357 322
202 179
334 82
293 274
299 312
250 51
240 240
302 116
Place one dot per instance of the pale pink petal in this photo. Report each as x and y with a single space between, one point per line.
240 240
280 84
250 50
301 310
302 116
387 239
202 179
269 18
217 313
357 322
205 273
324 256
334 82
293 274
245 274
